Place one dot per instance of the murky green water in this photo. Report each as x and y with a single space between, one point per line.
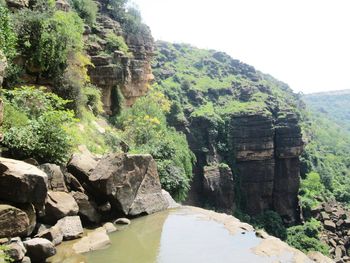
177 236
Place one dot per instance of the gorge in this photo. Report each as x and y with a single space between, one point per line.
100 122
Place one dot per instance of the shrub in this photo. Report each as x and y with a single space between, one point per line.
34 125
306 237
145 130
92 99
272 223
87 10
115 42
8 38
46 40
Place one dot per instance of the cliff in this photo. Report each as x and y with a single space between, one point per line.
130 71
233 114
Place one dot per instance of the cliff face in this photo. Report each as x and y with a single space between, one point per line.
240 117
130 73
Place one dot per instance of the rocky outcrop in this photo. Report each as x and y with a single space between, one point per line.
263 148
56 180
218 187
130 182
116 72
267 150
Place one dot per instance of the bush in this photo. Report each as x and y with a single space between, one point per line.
115 42
87 10
34 125
272 223
311 189
306 237
47 40
92 99
8 38
145 130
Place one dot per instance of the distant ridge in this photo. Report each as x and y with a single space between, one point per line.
335 92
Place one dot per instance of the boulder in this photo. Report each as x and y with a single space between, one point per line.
52 234
16 249
70 227
73 184
122 221
329 225
80 165
16 222
110 227
95 240
38 249
22 183
87 208
56 180
59 205
130 182
26 260
171 202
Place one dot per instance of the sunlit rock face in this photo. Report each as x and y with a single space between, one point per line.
129 73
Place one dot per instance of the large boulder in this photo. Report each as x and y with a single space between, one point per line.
80 165
59 205
70 227
21 182
38 249
87 208
55 177
95 240
130 182
16 222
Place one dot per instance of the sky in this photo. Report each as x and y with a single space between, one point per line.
305 43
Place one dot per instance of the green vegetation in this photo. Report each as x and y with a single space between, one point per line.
327 153
115 42
272 223
87 10
3 256
306 237
8 38
35 123
145 130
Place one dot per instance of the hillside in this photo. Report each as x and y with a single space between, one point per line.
334 105
233 115
106 118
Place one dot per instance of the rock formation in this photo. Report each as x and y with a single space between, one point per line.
130 73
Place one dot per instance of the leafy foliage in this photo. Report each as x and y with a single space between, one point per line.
46 39
272 223
115 42
144 128
8 38
34 125
306 237
87 10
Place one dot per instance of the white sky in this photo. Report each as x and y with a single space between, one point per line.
305 43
